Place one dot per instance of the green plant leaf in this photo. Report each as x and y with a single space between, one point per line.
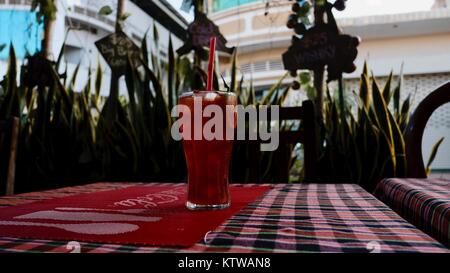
171 94
272 90
105 10
10 106
382 118
155 34
387 89
124 16
405 112
305 78
433 154
233 72
399 146
397 93
364 91
225 83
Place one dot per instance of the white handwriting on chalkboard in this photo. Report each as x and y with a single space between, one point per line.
107 50
316 39
320 55
201 29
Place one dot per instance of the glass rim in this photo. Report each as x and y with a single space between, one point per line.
222 93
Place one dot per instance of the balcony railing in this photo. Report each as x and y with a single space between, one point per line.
16 2
262 66
92 14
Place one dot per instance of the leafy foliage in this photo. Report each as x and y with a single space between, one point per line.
70 137
45 9
366 145
105 10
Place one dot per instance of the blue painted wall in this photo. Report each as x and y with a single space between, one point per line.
21 28
219 5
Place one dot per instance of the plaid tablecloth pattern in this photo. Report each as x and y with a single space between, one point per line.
288 218
423 202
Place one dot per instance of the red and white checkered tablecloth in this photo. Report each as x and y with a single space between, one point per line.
288 218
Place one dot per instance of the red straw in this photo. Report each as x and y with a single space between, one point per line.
212 49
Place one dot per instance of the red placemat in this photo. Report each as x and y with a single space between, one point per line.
142 215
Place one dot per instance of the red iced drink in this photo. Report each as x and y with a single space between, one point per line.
208 160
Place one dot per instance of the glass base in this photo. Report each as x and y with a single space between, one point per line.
193 206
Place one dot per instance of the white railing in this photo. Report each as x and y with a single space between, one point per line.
260 66
92 14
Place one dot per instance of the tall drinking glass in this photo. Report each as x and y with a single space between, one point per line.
208 160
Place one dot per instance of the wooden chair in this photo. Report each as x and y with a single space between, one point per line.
307 134
416 127
9 134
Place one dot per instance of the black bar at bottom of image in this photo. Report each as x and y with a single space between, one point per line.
223 262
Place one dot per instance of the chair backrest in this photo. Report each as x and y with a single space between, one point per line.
306 133
9 135
416 127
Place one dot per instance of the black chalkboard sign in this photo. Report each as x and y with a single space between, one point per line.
199 33
117 49
318 47
323 45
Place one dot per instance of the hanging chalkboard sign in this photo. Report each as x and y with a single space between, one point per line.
315 49
199 33
117 49
322 46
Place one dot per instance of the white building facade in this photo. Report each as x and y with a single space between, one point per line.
420 41
79 25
